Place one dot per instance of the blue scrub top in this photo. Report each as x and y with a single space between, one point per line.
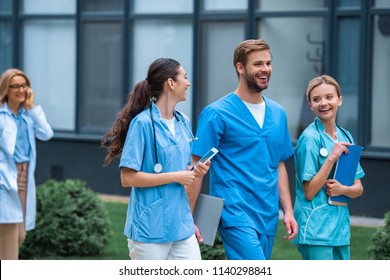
244 172
319 223
161 213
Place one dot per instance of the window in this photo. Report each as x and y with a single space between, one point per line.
290 5
49 61
382 3
381 83
218 75
174 40
5 7
348 65
224 5
101 77
6 45
297 47
49 7
349 3
162 7
103 5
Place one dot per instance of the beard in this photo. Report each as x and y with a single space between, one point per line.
253 85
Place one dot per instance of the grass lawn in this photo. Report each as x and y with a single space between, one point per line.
283 250
360 241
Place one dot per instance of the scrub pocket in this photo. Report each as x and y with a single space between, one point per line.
314 224
274 148
148 220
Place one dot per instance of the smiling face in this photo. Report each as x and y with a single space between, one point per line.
257 71
324 102
181 84
17 91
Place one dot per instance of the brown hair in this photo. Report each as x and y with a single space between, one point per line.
324 79
5 81
243 50
138 99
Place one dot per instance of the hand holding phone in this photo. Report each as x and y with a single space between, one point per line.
207 156
29 101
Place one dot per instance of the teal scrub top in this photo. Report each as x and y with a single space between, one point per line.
319 223
244 172
162 213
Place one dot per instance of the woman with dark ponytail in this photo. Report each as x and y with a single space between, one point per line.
153 142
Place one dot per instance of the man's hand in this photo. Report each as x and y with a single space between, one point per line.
291 226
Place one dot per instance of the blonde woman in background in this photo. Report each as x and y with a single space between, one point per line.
21 121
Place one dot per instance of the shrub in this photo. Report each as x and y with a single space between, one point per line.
71 221
381 241
216 252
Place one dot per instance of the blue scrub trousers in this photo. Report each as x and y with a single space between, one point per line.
245 243
314 252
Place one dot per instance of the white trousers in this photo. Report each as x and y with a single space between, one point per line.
187 249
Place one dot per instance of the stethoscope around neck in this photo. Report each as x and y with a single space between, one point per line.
179 117
324 151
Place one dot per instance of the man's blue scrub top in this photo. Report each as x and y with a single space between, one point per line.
319 223
161 213
244 172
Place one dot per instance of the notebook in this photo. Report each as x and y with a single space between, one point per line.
207 213
345 172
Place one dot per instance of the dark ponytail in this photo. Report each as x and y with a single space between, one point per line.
159 71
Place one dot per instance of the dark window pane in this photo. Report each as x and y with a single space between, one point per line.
295 5
5 6
348 64
103 5
101 76
380 82
6 45
349 3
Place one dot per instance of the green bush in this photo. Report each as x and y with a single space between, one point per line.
216 252
71 221
381 241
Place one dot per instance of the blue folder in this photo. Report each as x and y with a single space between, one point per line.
345 172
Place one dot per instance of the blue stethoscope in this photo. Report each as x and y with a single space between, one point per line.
324 151
179 117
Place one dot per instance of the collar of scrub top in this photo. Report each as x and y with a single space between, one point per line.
323 150
179 117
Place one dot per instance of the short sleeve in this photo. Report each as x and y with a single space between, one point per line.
134 147
306 153
209 133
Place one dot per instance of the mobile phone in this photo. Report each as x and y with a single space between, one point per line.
207 156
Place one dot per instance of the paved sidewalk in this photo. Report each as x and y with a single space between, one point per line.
360 221
367 221
355 220
114 198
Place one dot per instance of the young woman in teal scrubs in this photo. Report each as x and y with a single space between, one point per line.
324 229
